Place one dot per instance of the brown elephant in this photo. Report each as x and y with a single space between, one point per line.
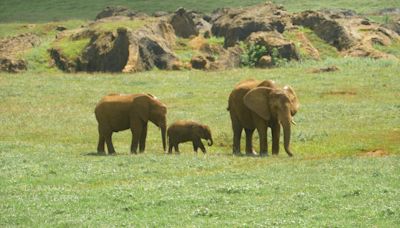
258 105
118 112
187 130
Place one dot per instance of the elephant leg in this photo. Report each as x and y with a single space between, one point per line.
195 146
170 146
276 132
202 148
262 133
142 142
110 146
136 136
237 134
100 145
249 141
176 147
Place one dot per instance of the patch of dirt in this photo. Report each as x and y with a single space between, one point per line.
11 50
374 153
339 93
325 69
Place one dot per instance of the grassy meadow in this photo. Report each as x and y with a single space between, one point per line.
56 10
50 175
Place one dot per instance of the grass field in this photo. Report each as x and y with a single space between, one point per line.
49 175
55 10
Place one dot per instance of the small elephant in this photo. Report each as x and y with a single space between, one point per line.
258 105
186 130
118 112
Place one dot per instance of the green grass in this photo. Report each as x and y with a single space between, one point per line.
393 49
49 177
71 48
55 10
114 25
40 29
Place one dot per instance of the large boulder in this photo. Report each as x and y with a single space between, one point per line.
351 34
237 24
327 28
106 52
112 11
274 40
183 23
151 47
11 50
123 50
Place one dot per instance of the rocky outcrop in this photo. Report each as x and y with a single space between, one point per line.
237 24
112 11
123 50
183 24
274 40
106 52
11 50
351 34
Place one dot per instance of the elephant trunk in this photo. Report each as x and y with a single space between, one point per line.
163 136
286 136
210 142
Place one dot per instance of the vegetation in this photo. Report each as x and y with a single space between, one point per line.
50 174
71 48
51 177
56 10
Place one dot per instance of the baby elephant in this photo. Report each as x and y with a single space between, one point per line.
186 130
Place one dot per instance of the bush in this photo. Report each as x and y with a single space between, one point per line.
253 52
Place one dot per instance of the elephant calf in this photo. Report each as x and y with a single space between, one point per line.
186 130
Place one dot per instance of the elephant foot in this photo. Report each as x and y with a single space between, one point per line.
101 153
133 152
251 154
237 154
264 154
112 153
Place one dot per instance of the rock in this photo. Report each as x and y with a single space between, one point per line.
325 69
394 25
228 59
307 46
106 52
199 62
326 28
160 14
274 40
183 24
125 50
352 35
111 11
391 11
152 54
265 62
237 24
161 38
60 28
11 50
12 65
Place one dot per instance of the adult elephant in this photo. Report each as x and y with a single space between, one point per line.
118 112
258 105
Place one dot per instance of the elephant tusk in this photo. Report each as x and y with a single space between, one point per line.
294 123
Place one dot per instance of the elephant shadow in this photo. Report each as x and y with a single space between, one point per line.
94 154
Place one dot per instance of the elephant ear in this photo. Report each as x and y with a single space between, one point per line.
141 107
257 100
196 129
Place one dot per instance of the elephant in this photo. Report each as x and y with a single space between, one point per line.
118 112
187 130
255 104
